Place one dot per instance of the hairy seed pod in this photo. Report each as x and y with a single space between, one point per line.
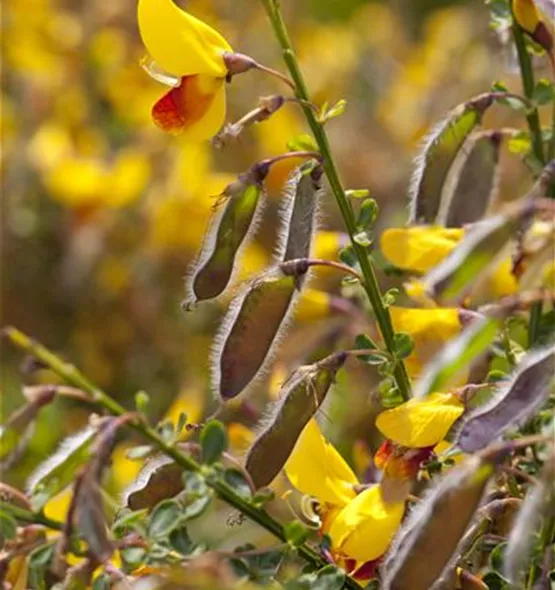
438 154
231 226
59 470
537 505
473 181
158 480
301 207
427 541
301 395
513 404
250 330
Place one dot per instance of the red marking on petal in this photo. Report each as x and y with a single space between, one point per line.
182 106
400 462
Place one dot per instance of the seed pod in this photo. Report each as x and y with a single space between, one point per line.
59 470
536 505
160 479
439 152
299 215
473 181
514 403
300 396
428 540
230 228
486 244
250 331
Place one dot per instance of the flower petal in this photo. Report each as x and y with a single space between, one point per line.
195 108
429 329
317 469
365 527
420 423
178 42
419 248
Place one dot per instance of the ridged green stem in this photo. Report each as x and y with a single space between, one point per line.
370 283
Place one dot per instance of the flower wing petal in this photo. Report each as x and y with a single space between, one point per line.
317 469
366 525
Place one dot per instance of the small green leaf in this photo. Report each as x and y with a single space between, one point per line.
142 402
295 533
390 296
329 578
235 479
348 256
404 345
180 541
39 561
133 556
262 496
357 193
302 142
102 582
213 440
129 520
544 92
362 238
364 342
327 114
495 582
195 508
367 214
8 526
163 518
496 557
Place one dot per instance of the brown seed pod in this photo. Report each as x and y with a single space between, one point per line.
514 402
250 330
300 396
431 535
438 154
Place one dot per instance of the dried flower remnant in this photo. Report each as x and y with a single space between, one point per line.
535 24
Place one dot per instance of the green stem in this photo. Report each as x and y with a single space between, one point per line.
528 85
370 283
31 517
533 119
71 375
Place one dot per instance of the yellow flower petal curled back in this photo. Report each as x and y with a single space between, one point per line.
178 42
420 423
419 248
315 468
365 527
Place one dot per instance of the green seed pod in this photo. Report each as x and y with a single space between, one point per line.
424 547
300 396
513 404
473 181
438 154
250 330
229 230
301 199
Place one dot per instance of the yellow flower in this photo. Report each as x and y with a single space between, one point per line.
430 329
421 423
192 54
419 248
360 526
